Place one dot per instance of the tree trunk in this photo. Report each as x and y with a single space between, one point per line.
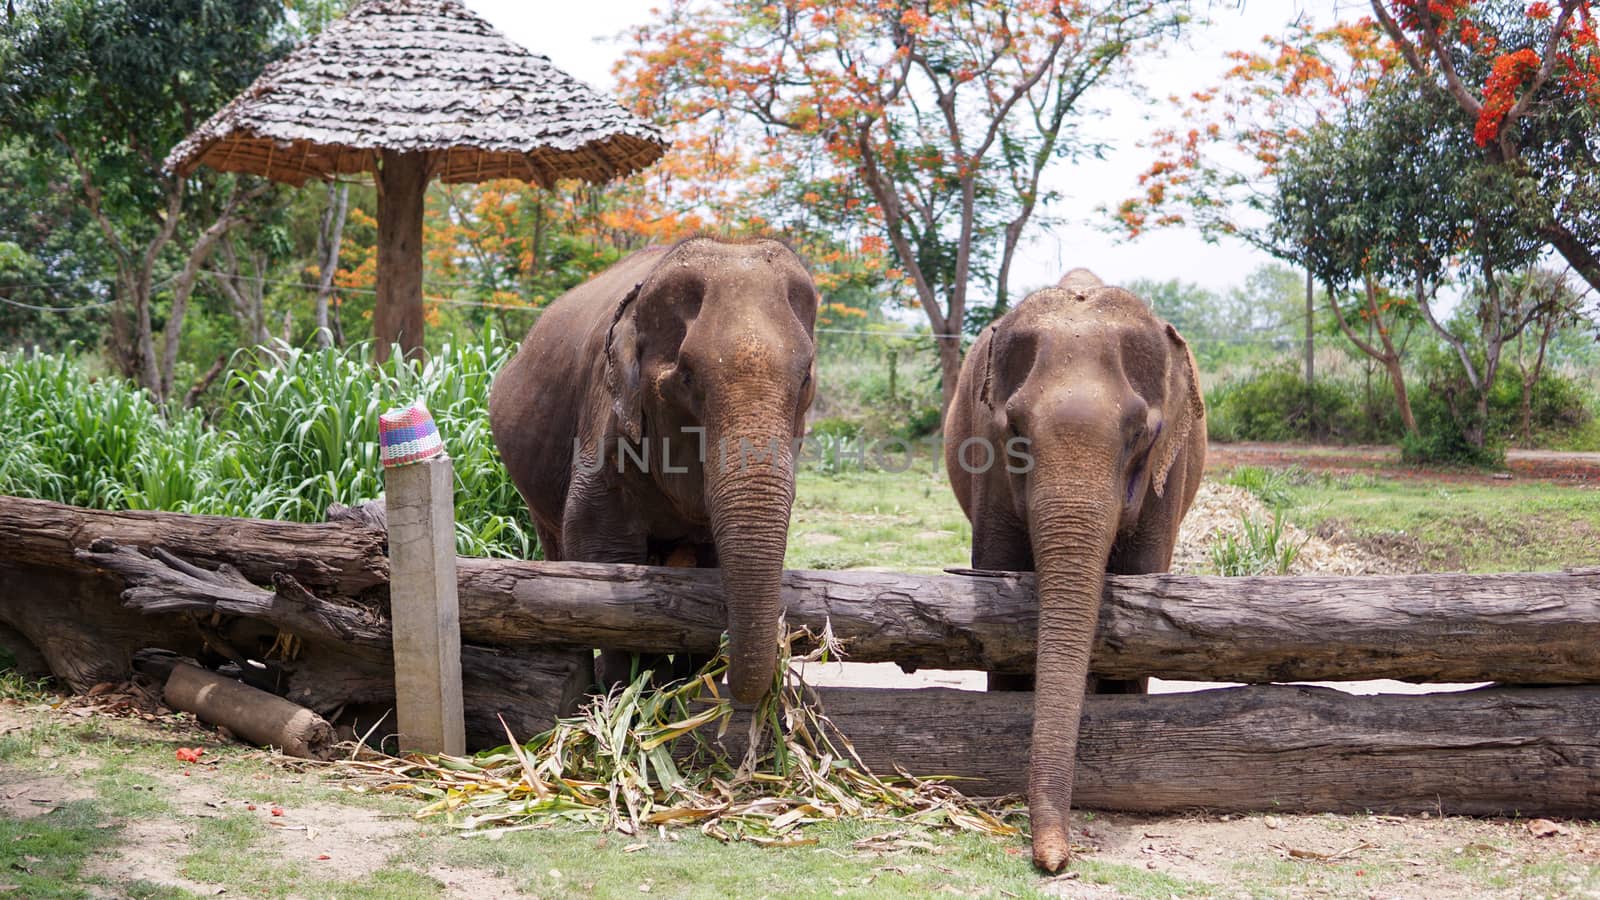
949 368
1269 748
1388 355
329 240
1311 327
1397 379
398 317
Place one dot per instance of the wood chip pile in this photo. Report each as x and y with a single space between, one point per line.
1219 509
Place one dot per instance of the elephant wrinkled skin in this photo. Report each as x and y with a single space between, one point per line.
1106 400
651 415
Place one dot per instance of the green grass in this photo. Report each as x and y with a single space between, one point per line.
907 521
567 862
1260 548
42 857
1518 527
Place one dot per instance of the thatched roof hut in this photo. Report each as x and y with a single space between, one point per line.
415 90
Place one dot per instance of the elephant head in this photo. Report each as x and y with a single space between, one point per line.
709 363
1105 398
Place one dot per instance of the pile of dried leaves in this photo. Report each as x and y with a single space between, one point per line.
652 757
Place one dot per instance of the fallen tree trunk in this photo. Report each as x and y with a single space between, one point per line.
345 655
1497 751
339 556
71 621
1522 628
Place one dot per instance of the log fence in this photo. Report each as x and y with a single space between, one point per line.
85 590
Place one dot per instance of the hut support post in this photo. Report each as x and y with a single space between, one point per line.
402 187
423 604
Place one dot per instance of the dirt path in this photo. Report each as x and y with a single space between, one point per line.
1543 465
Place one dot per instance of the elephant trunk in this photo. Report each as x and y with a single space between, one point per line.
750 493
1072 532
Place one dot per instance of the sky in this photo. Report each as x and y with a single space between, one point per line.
581 38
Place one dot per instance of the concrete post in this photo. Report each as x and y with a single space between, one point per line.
422 598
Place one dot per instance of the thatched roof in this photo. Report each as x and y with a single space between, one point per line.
420 75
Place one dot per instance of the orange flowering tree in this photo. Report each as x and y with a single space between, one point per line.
926 124
1523 81
1431 142
1527 76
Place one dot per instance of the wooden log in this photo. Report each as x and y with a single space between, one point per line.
254 715
1495 751
1541 628
71 619
342 558
1523 628
348 657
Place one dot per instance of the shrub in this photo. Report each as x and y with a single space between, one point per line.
920 423
1276 404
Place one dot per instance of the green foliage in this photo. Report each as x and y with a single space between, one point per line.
99 442
1259 549
1272 486
299 432
1446 409
921 422
1260 319
1276 404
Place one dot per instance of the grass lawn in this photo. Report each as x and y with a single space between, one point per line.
1522 526
98 807
910 521
907 521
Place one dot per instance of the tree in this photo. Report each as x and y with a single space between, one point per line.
1553 304
934 119
107 87
1396 195
50 256
1527 78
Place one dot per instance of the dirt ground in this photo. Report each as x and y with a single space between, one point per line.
1543 465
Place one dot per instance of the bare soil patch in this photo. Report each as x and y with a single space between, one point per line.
1322 855
1541 465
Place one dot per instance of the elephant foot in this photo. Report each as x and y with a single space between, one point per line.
1052 849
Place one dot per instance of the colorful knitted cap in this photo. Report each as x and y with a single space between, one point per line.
407 435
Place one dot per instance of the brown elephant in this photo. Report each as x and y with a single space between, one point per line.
1075 444
652 414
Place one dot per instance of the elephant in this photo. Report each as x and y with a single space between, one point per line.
1075 445
653 413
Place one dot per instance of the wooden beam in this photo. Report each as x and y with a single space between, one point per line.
1499 751
336 557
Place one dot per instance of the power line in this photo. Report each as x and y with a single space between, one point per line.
19 303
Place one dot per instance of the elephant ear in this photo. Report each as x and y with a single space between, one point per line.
984 390
623 380
1185 410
